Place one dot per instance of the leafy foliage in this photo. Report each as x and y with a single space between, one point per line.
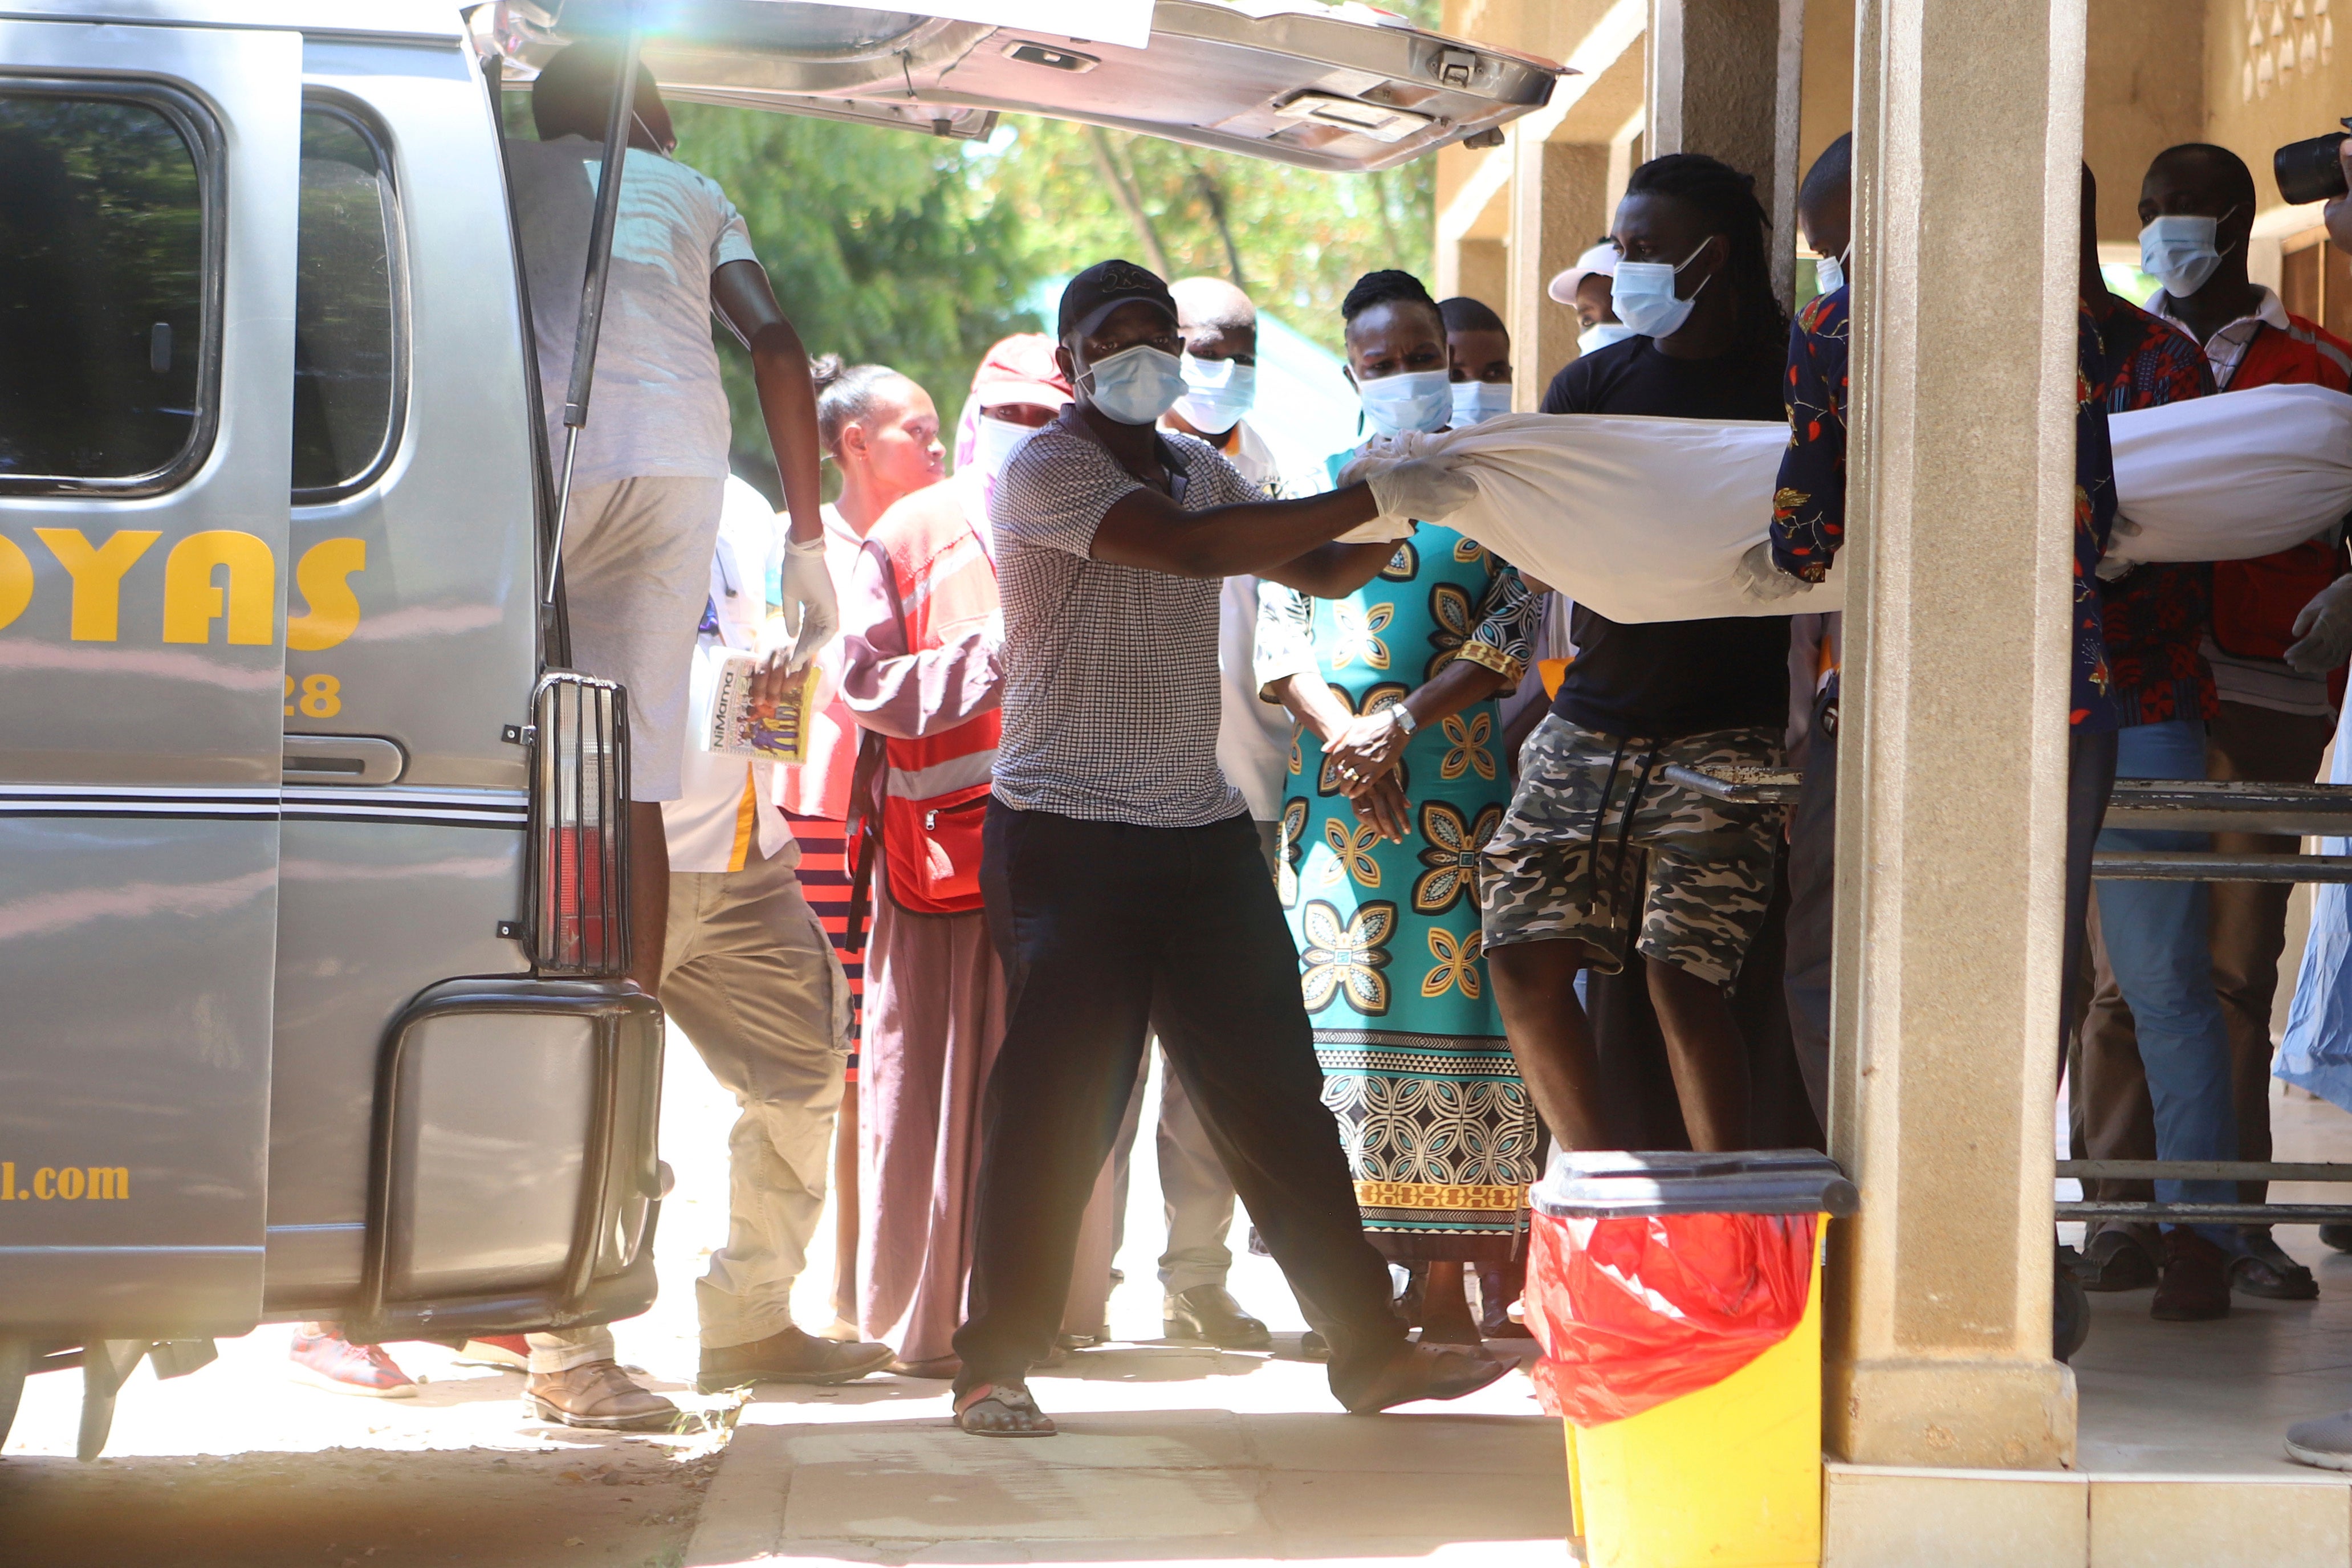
1293 239
920 253
880 244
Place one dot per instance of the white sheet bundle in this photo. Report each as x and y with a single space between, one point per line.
1641 519
2228 478
1644 519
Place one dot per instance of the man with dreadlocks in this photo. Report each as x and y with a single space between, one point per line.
1601 860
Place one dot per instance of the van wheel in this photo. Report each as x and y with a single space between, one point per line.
15 1361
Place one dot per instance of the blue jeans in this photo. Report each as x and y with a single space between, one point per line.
2156 941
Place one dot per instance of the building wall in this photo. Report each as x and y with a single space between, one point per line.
1827 110
2252 102
2144 91
2247 74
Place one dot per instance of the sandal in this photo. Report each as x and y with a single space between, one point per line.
1011 1403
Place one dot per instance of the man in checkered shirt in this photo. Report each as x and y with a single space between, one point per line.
1124 881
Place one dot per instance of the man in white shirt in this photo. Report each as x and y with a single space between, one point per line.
646 476
646 487
1116 866
750 977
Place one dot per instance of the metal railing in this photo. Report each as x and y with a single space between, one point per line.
2205 1213
2190 806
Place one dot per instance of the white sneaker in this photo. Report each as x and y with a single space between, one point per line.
2326 1442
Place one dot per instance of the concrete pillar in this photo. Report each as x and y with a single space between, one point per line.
1483 271
1724 79
1954 737
1558 191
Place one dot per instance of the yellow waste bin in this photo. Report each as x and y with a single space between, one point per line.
1727 1474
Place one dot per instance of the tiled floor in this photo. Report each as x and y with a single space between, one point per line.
2214 1398
1173 1455
1166 1454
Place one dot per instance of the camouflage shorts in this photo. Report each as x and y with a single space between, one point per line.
1698 871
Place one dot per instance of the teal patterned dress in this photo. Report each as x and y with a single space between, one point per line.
1440 1133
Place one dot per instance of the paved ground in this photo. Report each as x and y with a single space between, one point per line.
1171 1453
1165 1455
239 1466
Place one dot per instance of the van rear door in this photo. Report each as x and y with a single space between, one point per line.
147 256
1341 87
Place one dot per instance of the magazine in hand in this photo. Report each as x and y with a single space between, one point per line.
730 727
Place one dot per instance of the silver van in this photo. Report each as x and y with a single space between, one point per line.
311 858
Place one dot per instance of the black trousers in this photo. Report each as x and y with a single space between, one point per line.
1106 930
1812 881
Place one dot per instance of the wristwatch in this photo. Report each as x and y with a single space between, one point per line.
1404 720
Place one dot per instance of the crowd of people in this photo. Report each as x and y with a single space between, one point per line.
1129 740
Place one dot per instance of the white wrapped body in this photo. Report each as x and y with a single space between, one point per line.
1645 518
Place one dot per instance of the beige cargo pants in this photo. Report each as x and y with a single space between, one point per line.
747 974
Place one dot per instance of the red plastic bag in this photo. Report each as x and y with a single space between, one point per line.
1633 1313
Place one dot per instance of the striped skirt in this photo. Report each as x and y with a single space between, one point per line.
824 882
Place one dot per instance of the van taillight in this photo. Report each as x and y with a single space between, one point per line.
579 826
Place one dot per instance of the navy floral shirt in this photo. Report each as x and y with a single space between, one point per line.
1809 505
2156 614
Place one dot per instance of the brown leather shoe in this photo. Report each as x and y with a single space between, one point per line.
788 1356
599 1395
2195 1284
1427 1372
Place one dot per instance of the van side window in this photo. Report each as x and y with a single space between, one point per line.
346 298
103 357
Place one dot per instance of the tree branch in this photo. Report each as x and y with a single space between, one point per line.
1108 166
1214 194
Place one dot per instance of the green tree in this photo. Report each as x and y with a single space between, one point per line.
1293 238
880 244
920 252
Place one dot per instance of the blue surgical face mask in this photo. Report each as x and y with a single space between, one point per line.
1217 392
1643 296
1601 334
1416 400
1476 401
1829 273
1135 386
2177 250
994 442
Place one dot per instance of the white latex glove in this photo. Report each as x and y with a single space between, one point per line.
2111 566
2323 630
1428 489
1381 530
808 602
1378 451
1760 580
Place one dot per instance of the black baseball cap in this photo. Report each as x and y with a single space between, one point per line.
1106 286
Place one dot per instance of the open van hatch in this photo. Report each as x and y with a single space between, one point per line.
1341 87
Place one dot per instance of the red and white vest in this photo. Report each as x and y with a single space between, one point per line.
935 791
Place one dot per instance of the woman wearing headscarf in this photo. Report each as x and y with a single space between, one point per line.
1396 781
